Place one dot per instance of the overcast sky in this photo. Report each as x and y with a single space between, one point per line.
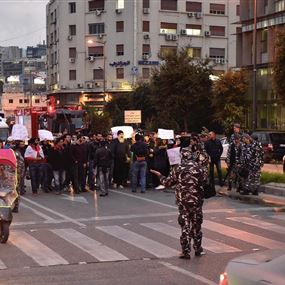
22 22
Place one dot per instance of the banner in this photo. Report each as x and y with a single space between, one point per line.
133 117
45 135
128 131
19 133
165 134
174 156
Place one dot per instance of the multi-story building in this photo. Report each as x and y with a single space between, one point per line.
36 52
270 17
99 48
11 53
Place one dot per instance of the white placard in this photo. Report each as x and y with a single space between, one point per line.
19 133
45 135
128 131
133 117
174 156
165 134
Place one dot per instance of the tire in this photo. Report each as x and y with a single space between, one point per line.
4 231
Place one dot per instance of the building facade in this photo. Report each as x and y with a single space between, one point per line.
270 18
11 53
99 48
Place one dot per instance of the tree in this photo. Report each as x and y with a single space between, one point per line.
279 65
230 98
180 88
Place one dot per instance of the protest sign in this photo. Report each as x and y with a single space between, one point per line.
174 156
165 134
19 133
45 135
128 131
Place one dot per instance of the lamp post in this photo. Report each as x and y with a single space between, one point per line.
104 67
254 100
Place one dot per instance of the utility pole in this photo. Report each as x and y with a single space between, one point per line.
254 99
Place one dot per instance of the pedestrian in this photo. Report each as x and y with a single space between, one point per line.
139 166
103 162
110 145
92 147
214 149
236 131
149 158
188 180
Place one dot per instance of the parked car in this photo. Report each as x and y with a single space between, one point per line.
225 145
273 144
260 268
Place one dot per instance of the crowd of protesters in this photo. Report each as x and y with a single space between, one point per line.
78 163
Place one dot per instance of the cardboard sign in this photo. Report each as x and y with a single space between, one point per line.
174 156
165 134
128 131
19 133
45 135
133 117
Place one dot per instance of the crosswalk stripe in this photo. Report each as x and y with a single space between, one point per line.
281 218
209 244
2 265
155 248
242 235
89 245
259 224
39 252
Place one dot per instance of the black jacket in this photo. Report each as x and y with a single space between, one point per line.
103 157
214 149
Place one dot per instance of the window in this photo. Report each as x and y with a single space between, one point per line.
264 41
119 26
10 101
72 52
72 7
217 9
145 3
120 49
146 26
120 4
96 28
193 6
238 10
37 101
96 51
168 5
96 5
21 101
216 53
98 74
194 52
72 74
72 30
194 30
145 73
219 31
168 28
120 73
26 101
146 49
279 5
167 50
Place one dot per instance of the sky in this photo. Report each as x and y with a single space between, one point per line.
22 22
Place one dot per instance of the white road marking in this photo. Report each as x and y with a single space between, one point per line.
74 198
40 214
89 245
188 273
209 244
33 248
242 235
53 212
2 265
153 247
279 217
259 224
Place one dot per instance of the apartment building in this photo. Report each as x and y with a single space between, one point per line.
99 48
270 17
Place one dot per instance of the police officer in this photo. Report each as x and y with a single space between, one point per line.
188 178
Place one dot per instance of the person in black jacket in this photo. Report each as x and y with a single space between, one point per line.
214 149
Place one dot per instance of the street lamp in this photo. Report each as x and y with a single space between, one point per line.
104 67
254 101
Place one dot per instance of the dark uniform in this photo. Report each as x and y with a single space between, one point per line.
188 177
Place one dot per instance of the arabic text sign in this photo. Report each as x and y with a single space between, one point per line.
174 156
133 117
165 134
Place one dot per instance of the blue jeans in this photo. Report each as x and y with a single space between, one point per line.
139 170
219 171
38 174
103 175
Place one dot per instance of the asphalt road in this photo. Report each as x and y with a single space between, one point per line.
128 238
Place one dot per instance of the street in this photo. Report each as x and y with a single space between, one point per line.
128 238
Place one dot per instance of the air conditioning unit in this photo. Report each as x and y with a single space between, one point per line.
97 84
217 60
146 10
79 86
184 32
207 33
222 61
91 58
62 87
71 60
146 36
190 14
100 36
119 11
198 15
168 37
174 37
69 38
98 12
145 56
89 85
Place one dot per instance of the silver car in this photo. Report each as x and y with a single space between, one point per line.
260 268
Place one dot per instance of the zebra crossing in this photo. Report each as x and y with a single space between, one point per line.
150 243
